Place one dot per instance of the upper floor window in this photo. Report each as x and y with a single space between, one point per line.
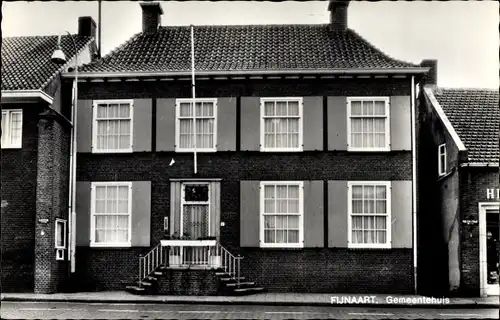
12 128
111 214
442 159
281 214
281 124
368 124
112 126
369 209
202 123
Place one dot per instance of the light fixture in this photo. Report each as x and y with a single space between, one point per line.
58 56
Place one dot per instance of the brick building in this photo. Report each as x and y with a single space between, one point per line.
35 151
458 155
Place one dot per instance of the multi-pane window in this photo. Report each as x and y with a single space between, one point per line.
111 213
113 126
442 159
369 210
195 210
281 219
12 128
200 122
60 237
368 124
281 124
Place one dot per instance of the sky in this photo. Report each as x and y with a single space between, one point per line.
462 35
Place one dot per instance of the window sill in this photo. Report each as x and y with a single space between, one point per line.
282 150
368 149
11 147
281 246
364 246
200 150
113 151
110 245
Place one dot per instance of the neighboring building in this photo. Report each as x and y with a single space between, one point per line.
304 160
458 156
35 153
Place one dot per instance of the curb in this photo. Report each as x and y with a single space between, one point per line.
263 303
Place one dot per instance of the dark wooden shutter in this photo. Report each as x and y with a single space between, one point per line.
249 213
226 124
337 123
141 214
214 209
82 207
313 214
165 125
401 214
175 207
313 123
141 140
337 214
250 123
400 122
84 126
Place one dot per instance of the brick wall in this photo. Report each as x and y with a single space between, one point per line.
188 282
18 175
473 185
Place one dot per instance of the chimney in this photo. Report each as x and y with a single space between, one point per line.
86 27
338 14
151 16
431 77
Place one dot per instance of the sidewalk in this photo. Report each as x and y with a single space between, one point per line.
284 299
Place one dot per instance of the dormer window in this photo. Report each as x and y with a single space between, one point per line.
442 160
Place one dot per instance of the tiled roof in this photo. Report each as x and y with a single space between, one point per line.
475 115
245 48
26 61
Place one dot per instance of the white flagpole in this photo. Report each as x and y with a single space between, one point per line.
194 104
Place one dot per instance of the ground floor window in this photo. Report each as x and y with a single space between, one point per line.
111 207
492 246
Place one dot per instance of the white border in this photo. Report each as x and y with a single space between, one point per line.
94 126
177 124
300 244
183 202
7 130
300 100
440 154
26 94
387 124
92 212
64 222
388 186
483 271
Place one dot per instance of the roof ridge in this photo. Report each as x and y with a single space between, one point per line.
378 50
470 88
250 25
115 50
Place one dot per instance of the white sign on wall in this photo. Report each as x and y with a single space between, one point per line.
493 193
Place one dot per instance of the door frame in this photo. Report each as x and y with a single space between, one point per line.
183 202
484 288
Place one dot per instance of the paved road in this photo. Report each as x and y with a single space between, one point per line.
62 310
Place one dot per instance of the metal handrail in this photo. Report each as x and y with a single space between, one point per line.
149 262
230 264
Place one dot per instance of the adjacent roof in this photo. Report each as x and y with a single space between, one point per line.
245 48
26 61
475 115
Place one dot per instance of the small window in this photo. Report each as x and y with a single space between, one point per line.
12 128
281 124
442 160
113 126
368 124
111 206
195 206
60 254
205 129
369 221
281 214
60 236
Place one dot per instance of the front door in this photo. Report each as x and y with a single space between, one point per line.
195 210
490 243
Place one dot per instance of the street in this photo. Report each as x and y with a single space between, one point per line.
63 310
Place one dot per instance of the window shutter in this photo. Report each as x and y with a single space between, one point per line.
226 124
337 123
400 123
313 123
165 125
142 110
141 213
313 214
250 123
337 214
249 213
84 125
215 209
175 207
401 214
82 208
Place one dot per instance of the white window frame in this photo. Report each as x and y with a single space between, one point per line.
300 244
442 163
64 226
177 124
184 202
388 243
94 126
93 214
300 100
387 146
7 131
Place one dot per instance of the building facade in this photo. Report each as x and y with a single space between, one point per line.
458 189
